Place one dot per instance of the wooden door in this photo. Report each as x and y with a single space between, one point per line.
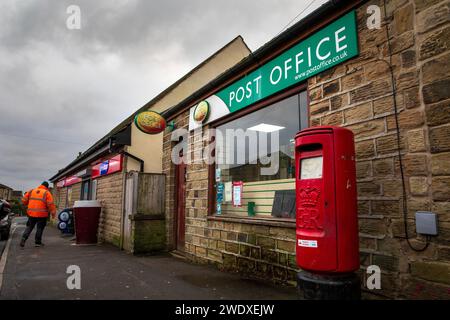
181 205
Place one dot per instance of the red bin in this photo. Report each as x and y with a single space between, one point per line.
87 215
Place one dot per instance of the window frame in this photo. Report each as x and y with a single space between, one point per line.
238 114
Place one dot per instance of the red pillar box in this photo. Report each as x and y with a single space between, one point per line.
86 215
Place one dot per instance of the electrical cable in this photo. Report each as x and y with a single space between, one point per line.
397 126
289 23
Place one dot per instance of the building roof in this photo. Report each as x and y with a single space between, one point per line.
2 186
125 123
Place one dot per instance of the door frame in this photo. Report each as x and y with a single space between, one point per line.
180 207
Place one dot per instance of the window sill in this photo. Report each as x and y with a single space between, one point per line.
272 222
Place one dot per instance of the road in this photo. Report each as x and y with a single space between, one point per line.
108 273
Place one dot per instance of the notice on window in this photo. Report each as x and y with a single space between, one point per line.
228 191
237 193
311 168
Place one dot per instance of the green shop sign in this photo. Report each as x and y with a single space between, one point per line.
328 47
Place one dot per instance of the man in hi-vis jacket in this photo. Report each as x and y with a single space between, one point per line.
39 203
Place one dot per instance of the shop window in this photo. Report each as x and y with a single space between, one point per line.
262 159
89 190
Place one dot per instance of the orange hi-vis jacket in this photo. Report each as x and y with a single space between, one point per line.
39 202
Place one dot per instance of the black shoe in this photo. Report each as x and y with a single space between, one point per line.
38 244
22 243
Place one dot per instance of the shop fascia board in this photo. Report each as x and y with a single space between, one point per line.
87 161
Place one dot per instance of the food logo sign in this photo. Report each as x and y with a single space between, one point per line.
201 112
150 122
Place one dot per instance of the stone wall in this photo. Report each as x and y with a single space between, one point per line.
110 194
358 95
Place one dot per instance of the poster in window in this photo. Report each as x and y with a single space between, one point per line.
228 191
237 193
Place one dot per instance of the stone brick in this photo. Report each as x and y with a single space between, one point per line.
364 149
374 227
375 70
389 245
386 207
388 144
288 246
407 119
367 243
414 289
368 189
368 128
413 165
269 255
331 88
398 228
436 69
334 119
386 263
266 242
407 80
440 164
438 113
315 94
331 73
432 271
444 253
400 43
416 140
432 17
320 107
363 169
244 250
439 139
352 80
383 105
408 59
232 247
436 91
392 188
246 266
372 90
383 167
440 188
404 19
339 101
434 43
424 4
363 207
411 98
358 113
418 186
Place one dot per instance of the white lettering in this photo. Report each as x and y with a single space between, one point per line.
318 48
258 83
338 40
249 90
280 72
241 89
232 97
287 67
298 61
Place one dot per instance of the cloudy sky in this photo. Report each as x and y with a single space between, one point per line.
61 90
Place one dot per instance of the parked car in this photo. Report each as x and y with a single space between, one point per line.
5 219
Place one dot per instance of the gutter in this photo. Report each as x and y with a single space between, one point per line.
80 164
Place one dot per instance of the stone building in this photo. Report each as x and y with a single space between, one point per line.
389 84
101 171
5 192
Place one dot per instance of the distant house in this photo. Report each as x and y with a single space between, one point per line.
5 192
16 195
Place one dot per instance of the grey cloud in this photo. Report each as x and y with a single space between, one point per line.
61 90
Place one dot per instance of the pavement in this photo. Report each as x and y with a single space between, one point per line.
109 273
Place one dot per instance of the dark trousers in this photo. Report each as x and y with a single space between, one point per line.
40 224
